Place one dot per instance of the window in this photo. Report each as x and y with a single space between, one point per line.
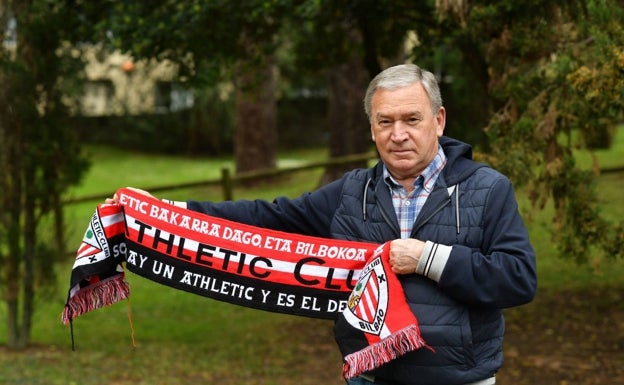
171 97
98 98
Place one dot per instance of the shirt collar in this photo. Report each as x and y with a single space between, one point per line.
428 177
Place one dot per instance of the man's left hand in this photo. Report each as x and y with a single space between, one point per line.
405 254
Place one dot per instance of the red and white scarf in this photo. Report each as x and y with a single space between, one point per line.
247 266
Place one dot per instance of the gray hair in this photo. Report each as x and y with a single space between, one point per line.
401 76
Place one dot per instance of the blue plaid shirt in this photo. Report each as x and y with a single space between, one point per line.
407 206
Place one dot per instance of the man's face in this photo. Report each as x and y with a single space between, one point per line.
405 130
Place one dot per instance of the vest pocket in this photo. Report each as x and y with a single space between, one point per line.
467 342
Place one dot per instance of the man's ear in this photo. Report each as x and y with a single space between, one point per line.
441 121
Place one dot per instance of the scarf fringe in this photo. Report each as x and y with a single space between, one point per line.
401 342
103 293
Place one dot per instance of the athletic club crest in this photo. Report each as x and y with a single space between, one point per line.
368 303
94 246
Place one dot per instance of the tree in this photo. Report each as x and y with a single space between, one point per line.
255 141
215 41
349 42
334 39
555 76
40 154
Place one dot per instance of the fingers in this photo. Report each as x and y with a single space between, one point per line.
139 191
115 198
404 255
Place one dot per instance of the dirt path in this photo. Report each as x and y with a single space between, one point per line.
567 338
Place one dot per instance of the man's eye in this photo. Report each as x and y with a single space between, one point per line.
413 121
384 122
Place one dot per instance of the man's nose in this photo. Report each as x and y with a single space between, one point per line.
399 132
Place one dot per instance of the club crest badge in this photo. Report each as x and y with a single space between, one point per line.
94 246
91 242
368 303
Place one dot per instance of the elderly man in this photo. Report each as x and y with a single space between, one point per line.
459 245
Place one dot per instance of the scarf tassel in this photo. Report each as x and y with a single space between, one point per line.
401 342
103 293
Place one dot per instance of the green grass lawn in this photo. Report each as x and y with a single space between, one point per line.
187 339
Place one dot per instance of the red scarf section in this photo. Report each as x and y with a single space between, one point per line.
377 326
247 266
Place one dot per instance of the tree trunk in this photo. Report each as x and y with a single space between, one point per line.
30 242
349 128
12 203
255 144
